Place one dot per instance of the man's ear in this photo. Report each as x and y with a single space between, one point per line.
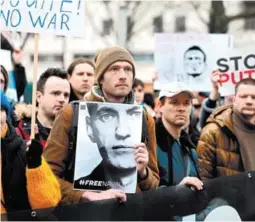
160 105
90 130
234 99
68 76
39 96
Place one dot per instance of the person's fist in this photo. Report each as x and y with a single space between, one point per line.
142 159
34 151
215 78
17 56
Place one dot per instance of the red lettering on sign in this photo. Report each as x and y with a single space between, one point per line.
235 77
224 77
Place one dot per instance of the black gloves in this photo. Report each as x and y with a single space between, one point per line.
34 154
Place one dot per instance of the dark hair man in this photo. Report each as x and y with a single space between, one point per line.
176 153
115 71
81 77
138 89
53 91
226 145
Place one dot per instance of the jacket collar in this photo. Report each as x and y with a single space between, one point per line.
166 140
96 95
73 97
222 116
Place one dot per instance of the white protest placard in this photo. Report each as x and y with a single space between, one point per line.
189 58
105 148
235 65
58 17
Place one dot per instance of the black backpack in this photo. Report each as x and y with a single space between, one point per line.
69 171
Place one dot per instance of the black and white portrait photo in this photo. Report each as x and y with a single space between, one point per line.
105 152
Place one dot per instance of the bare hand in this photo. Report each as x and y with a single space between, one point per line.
142 159
17 56
108 194
192 181
215 78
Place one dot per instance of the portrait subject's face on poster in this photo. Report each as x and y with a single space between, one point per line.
112 128
194 61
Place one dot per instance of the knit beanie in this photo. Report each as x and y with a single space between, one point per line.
104 58
5 103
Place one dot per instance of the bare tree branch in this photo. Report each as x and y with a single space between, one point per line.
135 9
243 15
196 7
95 27
107 7
133 20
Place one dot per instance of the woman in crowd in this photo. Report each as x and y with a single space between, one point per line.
27 181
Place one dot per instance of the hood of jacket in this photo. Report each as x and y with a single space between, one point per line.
23 111
222 116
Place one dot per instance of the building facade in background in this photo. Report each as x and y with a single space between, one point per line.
133 25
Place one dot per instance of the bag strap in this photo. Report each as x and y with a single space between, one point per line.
144 126
73 135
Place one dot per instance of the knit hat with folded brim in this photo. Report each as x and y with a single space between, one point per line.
104 58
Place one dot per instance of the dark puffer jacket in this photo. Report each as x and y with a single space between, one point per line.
14 184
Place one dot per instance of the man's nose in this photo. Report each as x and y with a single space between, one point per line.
123 74
249 100
122 130
85 77
181 108
61 98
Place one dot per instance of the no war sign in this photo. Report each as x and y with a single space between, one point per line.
58 17
235 65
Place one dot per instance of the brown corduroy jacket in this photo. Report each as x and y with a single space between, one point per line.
218 147
56 152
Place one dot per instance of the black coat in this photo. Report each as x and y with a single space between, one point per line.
165 142
97 174
73 97
13 150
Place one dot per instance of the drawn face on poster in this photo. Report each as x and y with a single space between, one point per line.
194 61
112 130
188 58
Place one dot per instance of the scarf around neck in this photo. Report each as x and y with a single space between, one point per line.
245 133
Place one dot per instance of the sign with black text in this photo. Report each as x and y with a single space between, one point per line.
235 65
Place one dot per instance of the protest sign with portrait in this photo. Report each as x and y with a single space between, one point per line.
188 58
105 148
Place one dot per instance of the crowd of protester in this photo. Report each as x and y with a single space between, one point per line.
190 136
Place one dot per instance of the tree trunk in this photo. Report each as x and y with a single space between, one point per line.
218 19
